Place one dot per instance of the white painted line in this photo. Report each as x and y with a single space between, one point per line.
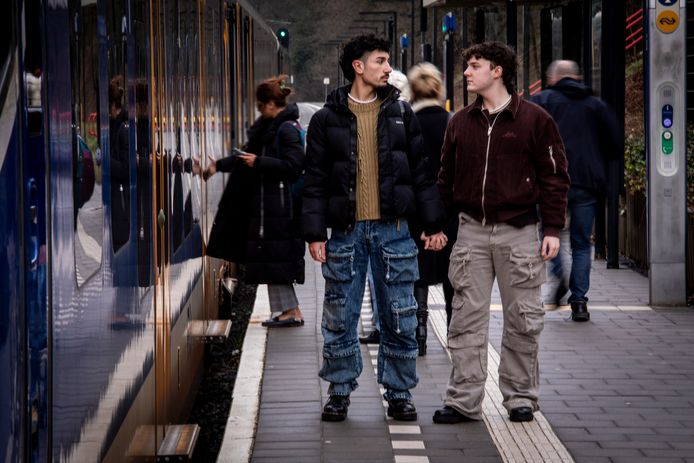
411 459
374 361
239 434
533 441
408 445
404 429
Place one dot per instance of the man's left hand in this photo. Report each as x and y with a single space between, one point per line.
550 247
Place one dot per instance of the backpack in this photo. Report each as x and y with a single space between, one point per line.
297 187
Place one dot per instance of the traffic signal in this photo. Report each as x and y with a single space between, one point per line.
283 37
449 23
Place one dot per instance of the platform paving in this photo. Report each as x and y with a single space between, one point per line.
618 388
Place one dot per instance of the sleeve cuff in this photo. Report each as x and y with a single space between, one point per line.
552 231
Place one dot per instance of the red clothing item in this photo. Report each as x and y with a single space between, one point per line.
500 167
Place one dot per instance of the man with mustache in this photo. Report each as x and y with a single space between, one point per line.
365 174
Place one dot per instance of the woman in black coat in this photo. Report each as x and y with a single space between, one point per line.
258 223
426 86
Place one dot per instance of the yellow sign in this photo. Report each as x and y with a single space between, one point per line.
667 21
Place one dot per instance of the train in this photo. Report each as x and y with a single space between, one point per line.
110 108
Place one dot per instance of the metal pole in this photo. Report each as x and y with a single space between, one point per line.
449 67
412 33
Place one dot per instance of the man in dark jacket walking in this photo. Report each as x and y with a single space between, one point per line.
502 157
591 137
365 174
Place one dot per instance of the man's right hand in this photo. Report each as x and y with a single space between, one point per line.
317 250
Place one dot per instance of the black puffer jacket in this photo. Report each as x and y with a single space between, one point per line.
405 188
258 220
589 130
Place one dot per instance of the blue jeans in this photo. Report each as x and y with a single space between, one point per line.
388 247
582 204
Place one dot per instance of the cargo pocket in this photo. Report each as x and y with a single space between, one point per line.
400 261
404 312
467 350
520 366
339 264
458 269
527 270
334 313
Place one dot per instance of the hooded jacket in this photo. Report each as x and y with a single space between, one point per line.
501 171
329 196
258 220
589 130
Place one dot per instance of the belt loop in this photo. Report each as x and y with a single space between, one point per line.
397 224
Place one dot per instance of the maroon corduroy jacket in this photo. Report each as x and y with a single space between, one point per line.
499 170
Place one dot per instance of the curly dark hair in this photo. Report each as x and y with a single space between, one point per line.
355 49
499 54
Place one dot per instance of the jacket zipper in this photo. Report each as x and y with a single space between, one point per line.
551 156
282 194
486 164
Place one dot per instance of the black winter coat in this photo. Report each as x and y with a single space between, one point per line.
258 223
589 130
405 188
433 265
119 150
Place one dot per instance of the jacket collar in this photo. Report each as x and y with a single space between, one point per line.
337 99
426 103
512 107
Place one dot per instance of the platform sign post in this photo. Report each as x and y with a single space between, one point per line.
666 150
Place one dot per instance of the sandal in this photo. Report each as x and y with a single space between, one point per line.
277 322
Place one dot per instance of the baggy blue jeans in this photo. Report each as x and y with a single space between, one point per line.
392 253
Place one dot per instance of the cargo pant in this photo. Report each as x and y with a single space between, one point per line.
392 254
512 255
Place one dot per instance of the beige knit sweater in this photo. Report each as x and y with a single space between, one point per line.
368 204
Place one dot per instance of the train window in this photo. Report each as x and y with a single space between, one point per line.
86 149
6 45
119 129
143 147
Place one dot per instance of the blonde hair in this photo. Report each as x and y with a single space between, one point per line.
426 82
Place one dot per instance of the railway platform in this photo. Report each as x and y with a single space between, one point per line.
619 388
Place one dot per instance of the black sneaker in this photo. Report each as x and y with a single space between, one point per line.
449 415
579 311
336 408
402 410
372 338
520 414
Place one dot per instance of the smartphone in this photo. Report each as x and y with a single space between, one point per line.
236 151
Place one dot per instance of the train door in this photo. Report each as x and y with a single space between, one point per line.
13 418
164 16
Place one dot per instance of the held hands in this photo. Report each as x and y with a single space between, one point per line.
317 250
434 242
211 168
550 247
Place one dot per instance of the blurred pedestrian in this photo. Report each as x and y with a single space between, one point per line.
502 157
426 88
591 137
364 177
258 223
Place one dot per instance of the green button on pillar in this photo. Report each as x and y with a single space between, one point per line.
667 142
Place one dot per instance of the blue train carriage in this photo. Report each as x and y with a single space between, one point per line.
106 107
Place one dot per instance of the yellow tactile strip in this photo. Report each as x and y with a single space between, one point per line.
533 441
